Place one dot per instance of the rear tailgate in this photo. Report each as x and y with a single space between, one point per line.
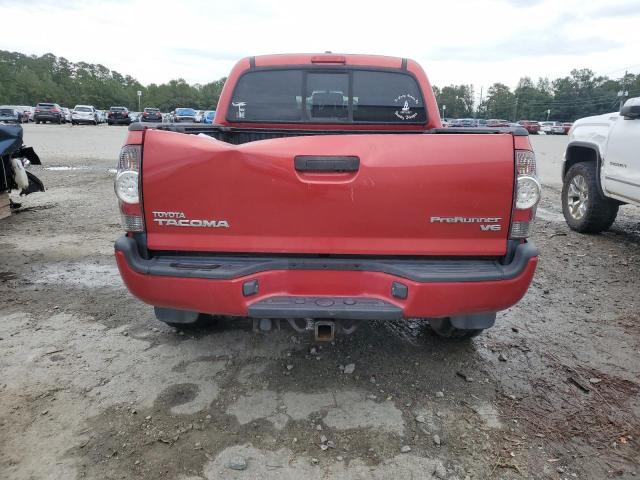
201 194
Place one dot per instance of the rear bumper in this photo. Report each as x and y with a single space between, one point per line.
47 116
248 286
126 121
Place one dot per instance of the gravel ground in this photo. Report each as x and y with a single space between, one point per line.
94 387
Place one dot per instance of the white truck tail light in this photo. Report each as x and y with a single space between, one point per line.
527 194
127 188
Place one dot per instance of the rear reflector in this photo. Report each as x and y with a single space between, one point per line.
520 229
132 223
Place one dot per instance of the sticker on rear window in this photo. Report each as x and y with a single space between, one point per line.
240 106
406 101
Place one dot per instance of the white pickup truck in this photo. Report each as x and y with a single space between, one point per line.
601 168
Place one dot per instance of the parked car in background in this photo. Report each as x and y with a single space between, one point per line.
151 115
27 113
567 126
494 122
198 116
135 116
9 114
117 115
48 112
84 114
15 158
101 116
208 116
530 126
601 168
183 115
66 115
552 128
545 127
467 122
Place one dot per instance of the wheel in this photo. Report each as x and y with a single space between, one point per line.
584 208
443 328
202 321
59 121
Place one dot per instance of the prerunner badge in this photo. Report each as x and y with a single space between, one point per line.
406 101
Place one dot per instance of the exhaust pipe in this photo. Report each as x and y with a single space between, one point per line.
324 330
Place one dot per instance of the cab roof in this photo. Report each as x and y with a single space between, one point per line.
327 58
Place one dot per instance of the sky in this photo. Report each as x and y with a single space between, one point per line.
456 42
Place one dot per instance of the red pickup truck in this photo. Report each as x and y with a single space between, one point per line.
327 192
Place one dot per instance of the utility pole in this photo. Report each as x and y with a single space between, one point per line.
444 108
548 112
622 94
515 111
480 104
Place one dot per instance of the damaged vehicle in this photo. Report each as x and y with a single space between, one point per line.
326 193
15 158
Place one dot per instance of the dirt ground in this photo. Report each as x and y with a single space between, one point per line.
93 387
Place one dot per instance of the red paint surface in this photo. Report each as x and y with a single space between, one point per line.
384 208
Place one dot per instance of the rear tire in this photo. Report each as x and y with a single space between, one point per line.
443 328
585 209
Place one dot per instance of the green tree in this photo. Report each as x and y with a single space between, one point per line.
500 102
27 80
532 100
458 100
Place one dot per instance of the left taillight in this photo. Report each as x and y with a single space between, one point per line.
127 188
527 194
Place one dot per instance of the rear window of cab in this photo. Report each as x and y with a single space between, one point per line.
327 96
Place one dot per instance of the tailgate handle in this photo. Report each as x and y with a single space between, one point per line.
326 163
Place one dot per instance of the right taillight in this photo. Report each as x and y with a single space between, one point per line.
127 188
527 194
